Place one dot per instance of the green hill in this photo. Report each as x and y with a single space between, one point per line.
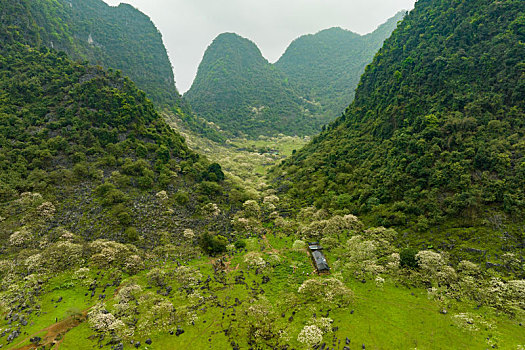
119 37
90 147
327 65
312 83
114 235
239 90
436 131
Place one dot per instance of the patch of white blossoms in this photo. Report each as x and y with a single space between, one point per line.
188 234
102 321
254 260
310 335
46 210
20 238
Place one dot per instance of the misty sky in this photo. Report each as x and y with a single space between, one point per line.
189 26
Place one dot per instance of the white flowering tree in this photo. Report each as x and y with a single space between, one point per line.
329 243
46 211
255 260
211 210
434 270
270 203
314 230
129 292
310 336
513 263
162 196
251 209
285 226
82 273
105 253
188 234
102 321
187 276
244 225
305 215
160 314
34 263
323 323
298 245
383 239
258 318
133 264
62 255
21 238
515 297
359 257
329 290
157 277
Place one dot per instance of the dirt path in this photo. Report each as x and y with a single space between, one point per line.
269 247
54 334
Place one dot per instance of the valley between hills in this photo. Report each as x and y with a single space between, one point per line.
363 192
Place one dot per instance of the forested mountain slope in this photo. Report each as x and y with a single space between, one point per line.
85 146
119 37
239 90
436 131
311 84
326 66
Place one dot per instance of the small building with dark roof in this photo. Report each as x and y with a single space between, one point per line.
318 257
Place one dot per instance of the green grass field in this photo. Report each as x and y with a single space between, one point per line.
391 317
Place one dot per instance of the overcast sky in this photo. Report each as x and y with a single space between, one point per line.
189 26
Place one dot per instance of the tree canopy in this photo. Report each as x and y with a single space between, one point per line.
436 131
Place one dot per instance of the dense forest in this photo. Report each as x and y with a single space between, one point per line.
120 38
240 91
114 37
436 131
326 66
91 145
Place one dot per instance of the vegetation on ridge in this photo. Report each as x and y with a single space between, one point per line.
120 38
97 151
240 91
326 66
436 132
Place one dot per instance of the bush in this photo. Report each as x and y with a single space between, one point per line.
210 188
145 182
109 194
132 235
240 244
163 154
215 173
408 258
181 198
213 245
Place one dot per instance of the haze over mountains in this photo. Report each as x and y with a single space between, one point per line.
310 85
